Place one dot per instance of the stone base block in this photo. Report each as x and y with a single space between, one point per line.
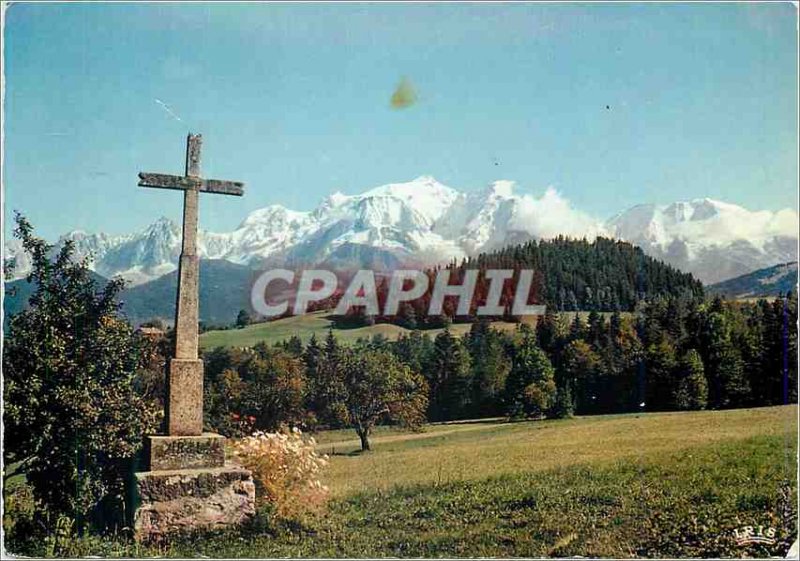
174 501
184 452
184 409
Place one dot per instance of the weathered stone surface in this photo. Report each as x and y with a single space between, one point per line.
184 452
183 490
185 380
174 501
184 409
186 318
181 183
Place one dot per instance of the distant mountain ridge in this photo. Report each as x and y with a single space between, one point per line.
711 239
423 222
224 290
771 281
573 275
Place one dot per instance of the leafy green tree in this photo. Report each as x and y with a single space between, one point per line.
407 316
625 362
415 350
242 319
730 373
789 348
312 357
379 342
294 346
596 329
275 388
660 375
530 386
777 351
325 392
490 368
450 378
692 389
314 362
547 330
577 329
580 369
222 389
378 387
728 385
564 404
72 415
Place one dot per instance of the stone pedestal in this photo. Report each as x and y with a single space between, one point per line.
184 452
189 486
185 384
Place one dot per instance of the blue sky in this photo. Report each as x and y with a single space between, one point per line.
613 105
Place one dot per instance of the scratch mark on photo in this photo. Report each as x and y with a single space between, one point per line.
169 110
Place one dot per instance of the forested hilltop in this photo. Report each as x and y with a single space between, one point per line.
569 275
602 275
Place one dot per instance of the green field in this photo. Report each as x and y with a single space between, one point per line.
657 484
319 323
650 485
316 323
450 452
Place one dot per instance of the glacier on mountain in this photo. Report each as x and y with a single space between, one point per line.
423 222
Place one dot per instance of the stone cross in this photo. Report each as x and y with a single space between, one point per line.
184 405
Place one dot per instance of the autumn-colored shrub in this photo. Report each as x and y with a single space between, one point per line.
286 469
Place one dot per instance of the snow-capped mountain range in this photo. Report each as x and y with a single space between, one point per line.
425 222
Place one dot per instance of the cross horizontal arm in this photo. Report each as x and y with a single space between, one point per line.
181 183
223 186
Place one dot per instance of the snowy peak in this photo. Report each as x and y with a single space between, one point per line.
713 239
425 195
274 213
162 226
423 221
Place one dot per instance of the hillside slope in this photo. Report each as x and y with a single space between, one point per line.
771 281
224 290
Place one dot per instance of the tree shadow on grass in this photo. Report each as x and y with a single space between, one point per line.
351 453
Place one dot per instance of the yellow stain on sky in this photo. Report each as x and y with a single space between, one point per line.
404 95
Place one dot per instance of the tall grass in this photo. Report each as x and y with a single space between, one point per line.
656 485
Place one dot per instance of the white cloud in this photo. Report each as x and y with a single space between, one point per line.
551 215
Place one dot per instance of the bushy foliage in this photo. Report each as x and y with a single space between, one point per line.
72 414
257 388
19 510
286 469
530 387
243 319
490 366
600 363
378 387
450 378
326 391
692 387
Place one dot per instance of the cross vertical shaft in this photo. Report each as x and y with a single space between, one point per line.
186 308
187 484
184 404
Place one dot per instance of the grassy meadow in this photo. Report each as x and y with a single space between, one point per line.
306 325
459 452
649 485
319 323
656 485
